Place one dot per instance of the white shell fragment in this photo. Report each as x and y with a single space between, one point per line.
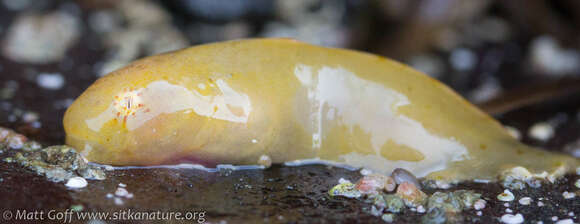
479 204
76 182
565 221
50 81
402 175
568 195
512 219
542 131
121 192
507 195
525 201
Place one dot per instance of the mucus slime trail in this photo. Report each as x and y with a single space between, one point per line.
234 102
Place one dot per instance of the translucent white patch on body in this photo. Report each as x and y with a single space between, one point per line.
162 97
357 103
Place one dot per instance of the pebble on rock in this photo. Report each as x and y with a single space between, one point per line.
411 194
402 175
346 189
565 221
393 203
525 201
118 201
568 195
374 183
50 81
388 217
76 182
121 192
542 131
479 204
507 195
548 56
512 219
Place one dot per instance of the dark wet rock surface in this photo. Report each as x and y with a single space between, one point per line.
279 194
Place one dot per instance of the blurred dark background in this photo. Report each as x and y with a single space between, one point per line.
52 50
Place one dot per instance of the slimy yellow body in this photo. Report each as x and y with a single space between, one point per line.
232 102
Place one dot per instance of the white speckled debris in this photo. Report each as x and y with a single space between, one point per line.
565 221
343 181
30 117
479 204
507 195
76 182
542 131
568 195
462 59
387 217
421 209
50 81
121 192
512 219
365 172
525 201
547 55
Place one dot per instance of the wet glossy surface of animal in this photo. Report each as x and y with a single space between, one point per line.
233 102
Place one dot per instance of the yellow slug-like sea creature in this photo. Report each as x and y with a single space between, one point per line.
238 101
